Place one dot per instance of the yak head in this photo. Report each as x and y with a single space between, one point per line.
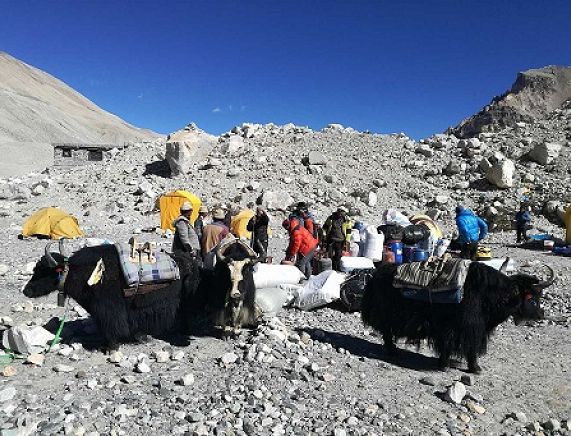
239 259
47 273
529 294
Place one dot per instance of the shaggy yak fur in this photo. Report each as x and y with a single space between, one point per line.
461 330
120 319
214 298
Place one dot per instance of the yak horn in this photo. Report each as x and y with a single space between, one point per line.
504 267
51 261
545 283
219 256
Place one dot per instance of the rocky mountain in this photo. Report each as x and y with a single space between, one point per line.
534 94
37 107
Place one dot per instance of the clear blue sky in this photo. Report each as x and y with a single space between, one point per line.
387 66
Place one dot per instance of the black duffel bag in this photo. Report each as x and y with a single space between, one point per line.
392 232
413 234
353 287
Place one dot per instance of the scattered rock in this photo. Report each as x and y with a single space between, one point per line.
63 368
229 358
455 393
186 380
142 367
8 371
7 394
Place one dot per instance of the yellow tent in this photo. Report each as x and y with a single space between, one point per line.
170 207
568 225
428 222
53 223
240 222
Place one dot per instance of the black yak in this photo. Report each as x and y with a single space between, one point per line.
227 293
462 329
120 319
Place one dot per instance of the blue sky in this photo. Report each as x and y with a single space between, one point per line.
412 66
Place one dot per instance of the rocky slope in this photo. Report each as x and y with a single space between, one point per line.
37 107
534 94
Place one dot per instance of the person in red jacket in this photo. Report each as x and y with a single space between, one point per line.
301 246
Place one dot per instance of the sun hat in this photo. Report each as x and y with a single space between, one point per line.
186 206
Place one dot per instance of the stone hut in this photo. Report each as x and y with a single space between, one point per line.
73 154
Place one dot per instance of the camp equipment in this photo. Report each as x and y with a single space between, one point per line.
53 223
170 207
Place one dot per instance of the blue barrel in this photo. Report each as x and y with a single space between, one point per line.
396 247
408 253
419 255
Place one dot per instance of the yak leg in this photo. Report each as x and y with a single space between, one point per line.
389 343
236 312
473 366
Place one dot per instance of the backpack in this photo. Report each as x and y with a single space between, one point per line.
303 222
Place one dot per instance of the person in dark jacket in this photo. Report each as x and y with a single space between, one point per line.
337 229
185 245
302 245
199 223
471 230
522 221
258 225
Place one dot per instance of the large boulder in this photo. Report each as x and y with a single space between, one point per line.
276 200
545 153
501 174
183 145
234 144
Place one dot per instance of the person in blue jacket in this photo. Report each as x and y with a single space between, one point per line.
471 230
522 222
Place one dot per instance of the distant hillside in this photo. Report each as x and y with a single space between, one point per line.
37 107
534 94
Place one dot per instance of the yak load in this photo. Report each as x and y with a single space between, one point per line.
456 313
93 277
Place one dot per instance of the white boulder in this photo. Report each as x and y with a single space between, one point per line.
182 146
501 174
545 153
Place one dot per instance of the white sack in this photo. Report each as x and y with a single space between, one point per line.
271 300
270 276
348 264
26 341
320 290
374 241
393 216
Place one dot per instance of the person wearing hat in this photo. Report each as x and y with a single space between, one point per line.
214 232
185 244
337 231
471 230
199 223
258 225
